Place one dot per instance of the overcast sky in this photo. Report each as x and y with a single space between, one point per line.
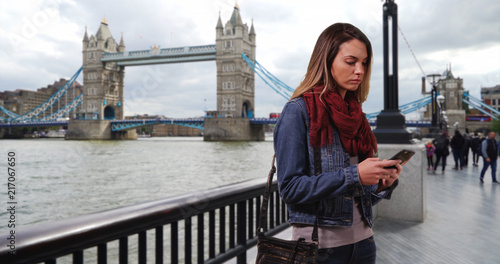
41 41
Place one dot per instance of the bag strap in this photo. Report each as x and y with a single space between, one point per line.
265 201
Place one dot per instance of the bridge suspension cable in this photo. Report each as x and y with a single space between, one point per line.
480 105
65 110
411 50
277 85
8 113
407 108
44 106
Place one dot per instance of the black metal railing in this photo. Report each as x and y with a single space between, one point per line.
165 230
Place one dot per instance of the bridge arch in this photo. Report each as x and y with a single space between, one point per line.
247 109
109 113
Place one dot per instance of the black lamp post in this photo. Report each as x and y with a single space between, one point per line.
435 78
434 130
391 124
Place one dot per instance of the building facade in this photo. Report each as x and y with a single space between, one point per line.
491 96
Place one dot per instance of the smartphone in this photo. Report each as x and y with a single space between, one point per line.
403 155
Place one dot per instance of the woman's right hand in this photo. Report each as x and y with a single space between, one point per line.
372 170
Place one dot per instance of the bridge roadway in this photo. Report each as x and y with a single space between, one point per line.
462 224
127 124
162 56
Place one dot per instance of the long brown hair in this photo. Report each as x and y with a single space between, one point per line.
326 49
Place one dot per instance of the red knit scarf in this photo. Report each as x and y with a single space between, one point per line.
353 127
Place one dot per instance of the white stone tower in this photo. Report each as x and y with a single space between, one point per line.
102 81
235 78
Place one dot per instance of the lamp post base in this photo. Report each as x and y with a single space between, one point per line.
434 132
391 128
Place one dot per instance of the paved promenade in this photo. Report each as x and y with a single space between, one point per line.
462 224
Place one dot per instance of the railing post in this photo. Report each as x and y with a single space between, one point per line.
211 234
102 253
277 211
159 244
123 250
174 240
284 215
187 240
241 231
222 229
257 209
251 229
271 211
201 238
142 241
232 224
77 257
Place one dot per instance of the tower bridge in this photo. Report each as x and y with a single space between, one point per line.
100 115
104 62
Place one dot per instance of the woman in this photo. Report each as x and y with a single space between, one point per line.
325 150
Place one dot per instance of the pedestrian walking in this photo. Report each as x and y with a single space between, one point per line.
465 149
430 155
442 151
457 141
474 146
489 150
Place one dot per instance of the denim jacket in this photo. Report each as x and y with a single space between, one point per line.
335 187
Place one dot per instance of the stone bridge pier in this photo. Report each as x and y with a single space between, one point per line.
232 129
96 130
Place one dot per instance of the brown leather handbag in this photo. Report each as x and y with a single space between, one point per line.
274 250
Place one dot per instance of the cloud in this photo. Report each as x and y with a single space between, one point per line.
40 42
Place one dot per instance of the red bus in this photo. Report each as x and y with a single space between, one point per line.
274 115
482 118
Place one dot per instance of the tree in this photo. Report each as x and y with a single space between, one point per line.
495 125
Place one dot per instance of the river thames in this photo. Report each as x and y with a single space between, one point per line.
56 178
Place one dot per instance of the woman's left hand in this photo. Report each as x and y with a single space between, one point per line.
387 182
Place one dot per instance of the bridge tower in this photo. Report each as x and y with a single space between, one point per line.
102 81
235 78
452 88
102 89
235 83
